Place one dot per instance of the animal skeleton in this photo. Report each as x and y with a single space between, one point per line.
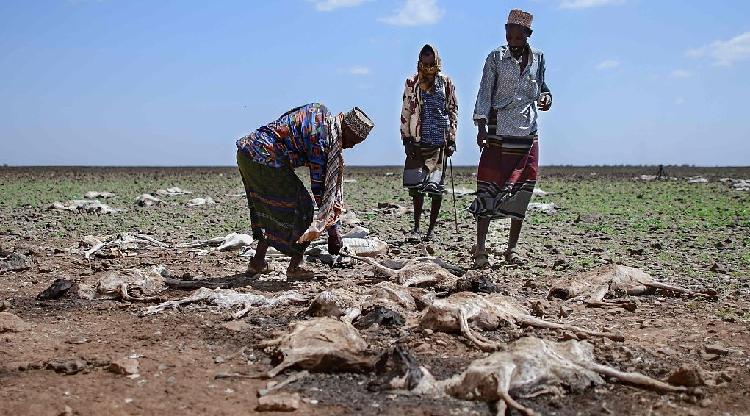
228 298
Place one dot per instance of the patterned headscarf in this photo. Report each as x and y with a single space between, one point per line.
427 74
332 202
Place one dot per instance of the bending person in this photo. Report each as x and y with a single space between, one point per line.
281 209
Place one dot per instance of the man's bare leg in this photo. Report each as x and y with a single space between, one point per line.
418 202
515 232
258 262
434 213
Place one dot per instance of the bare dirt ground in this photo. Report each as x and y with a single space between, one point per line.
58 359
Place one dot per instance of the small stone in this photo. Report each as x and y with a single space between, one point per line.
236 326
717 349
4 305
688 376
280 402
66 366
12 323
124 366
565 311
219 359
67 411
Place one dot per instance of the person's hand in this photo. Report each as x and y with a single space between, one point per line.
335 242
409 146
545 102
482 137
450 150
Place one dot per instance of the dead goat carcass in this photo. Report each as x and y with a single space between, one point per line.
321 345
85 205
488 312
133 285
229 299
421 271
614 280
528 367
335 303
232 241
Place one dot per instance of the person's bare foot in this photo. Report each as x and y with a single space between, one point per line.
300 272
512 258
254 267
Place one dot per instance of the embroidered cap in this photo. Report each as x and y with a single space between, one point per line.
358 122
520 17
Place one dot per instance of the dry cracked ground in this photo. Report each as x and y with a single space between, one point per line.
68 354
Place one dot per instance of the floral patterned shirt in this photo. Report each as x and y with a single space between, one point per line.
298 138
512 93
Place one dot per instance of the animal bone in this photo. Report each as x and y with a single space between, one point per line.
85 205
593 286
488 312
133 285
123 242
529 367
228 298
321 345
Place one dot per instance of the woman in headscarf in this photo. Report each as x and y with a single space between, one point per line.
511 90
429 118
281 210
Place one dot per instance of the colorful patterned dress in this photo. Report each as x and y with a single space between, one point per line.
280 207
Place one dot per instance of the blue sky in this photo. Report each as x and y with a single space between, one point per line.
175 82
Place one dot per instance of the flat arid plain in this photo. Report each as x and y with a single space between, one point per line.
626 276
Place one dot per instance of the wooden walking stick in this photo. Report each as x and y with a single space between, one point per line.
453 192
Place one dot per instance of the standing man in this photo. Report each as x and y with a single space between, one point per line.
511 91
429 119
281 210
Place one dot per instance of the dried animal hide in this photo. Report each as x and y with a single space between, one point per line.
196 202
133 285
95 194
229 299
488 312
321 345
147 200
591 287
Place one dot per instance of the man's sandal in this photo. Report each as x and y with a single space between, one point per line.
512 258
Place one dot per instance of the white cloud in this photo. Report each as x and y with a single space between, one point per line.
680 73
360 70
415 13
585 4
725 52
328 5
607 64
